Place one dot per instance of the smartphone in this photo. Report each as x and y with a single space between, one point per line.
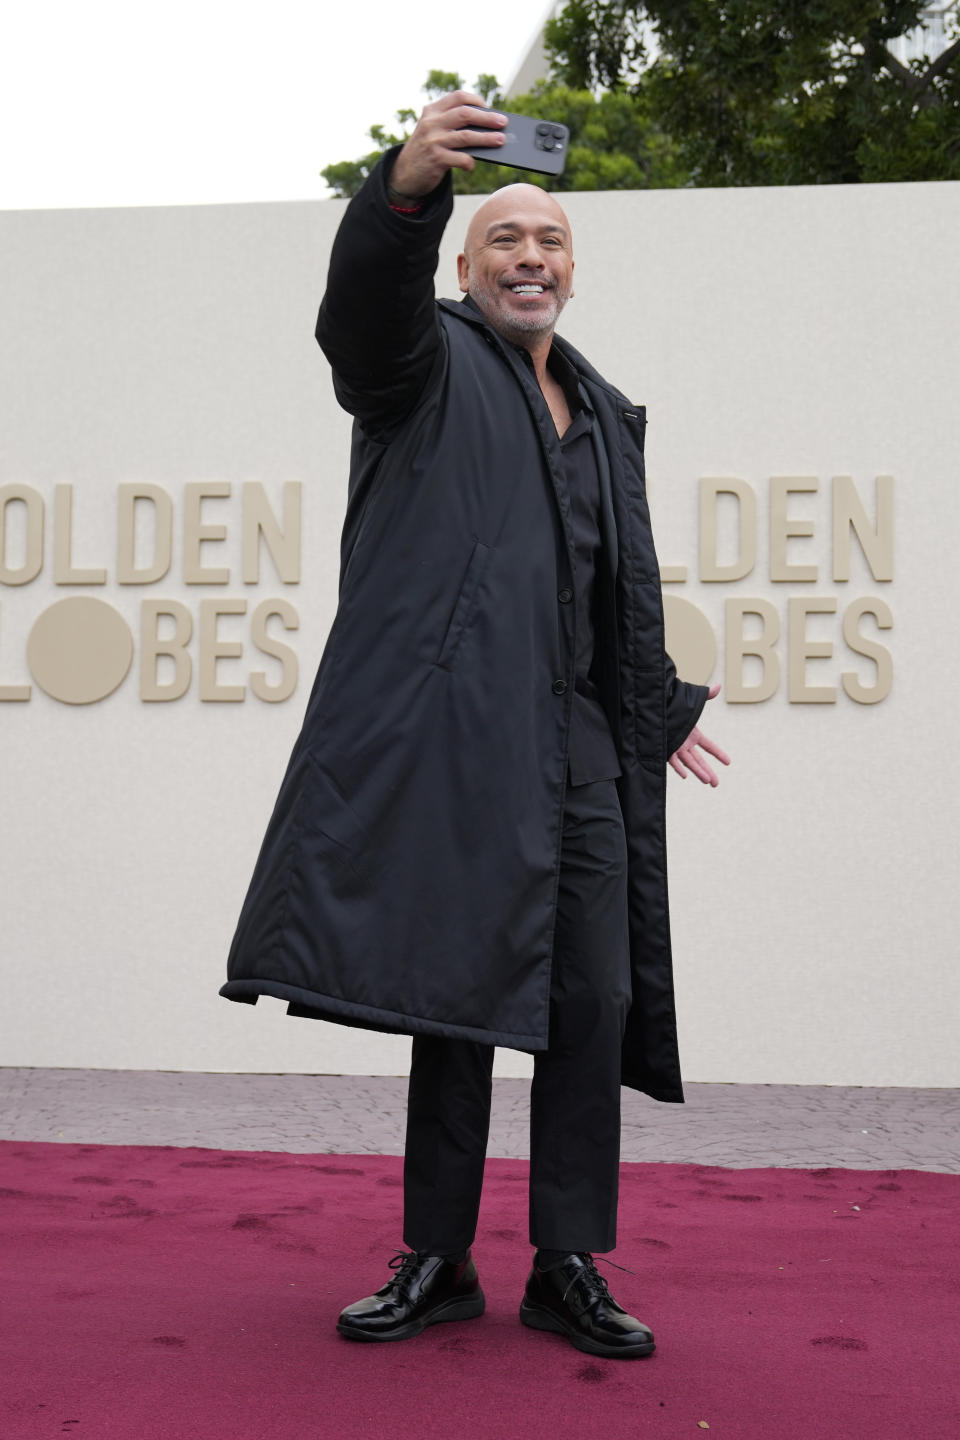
528 144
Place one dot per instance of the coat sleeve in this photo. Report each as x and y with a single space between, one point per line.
378 324
684 703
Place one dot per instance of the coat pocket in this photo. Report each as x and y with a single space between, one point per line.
329 830
465 606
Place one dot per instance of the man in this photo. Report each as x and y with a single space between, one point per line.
468 844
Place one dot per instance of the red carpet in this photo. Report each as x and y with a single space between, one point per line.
168 1294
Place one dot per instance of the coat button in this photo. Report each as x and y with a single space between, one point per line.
565 596
559 687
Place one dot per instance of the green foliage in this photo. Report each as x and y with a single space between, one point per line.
614 145
768 92
725 92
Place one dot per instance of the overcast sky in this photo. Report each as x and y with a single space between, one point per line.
124 102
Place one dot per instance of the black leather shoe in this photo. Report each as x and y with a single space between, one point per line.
572 1299
424 1290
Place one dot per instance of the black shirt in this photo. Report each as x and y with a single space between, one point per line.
592 754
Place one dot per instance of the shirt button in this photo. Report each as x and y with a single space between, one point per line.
559 687
565 596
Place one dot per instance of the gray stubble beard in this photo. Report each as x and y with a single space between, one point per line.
510 325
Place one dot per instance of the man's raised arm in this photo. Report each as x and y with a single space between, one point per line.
378 325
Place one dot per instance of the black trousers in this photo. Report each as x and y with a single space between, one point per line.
575 1094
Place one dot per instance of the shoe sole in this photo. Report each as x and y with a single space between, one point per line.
538 1319
466 1309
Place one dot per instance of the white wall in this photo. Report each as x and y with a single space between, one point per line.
807 332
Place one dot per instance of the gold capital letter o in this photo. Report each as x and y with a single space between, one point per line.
690 639
79 650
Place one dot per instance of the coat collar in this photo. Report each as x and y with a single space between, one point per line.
468 312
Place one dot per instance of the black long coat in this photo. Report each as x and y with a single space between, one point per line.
408 877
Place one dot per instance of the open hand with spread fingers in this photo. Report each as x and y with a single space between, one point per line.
439 141
689 758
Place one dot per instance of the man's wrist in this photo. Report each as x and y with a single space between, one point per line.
401 198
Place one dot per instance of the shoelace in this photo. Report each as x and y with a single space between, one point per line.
595 1279
403 1263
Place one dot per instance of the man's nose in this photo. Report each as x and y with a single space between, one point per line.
530 256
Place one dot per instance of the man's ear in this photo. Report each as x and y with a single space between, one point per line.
463 272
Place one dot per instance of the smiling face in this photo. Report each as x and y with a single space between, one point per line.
517 262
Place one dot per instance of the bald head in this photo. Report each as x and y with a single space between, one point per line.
517 263
514 200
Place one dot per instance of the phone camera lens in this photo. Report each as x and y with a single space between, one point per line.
557 132
545 129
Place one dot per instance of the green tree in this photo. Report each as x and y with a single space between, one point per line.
614 145
768 92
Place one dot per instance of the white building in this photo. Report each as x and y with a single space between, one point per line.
932 37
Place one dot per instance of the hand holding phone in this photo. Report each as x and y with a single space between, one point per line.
441 139
528 144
